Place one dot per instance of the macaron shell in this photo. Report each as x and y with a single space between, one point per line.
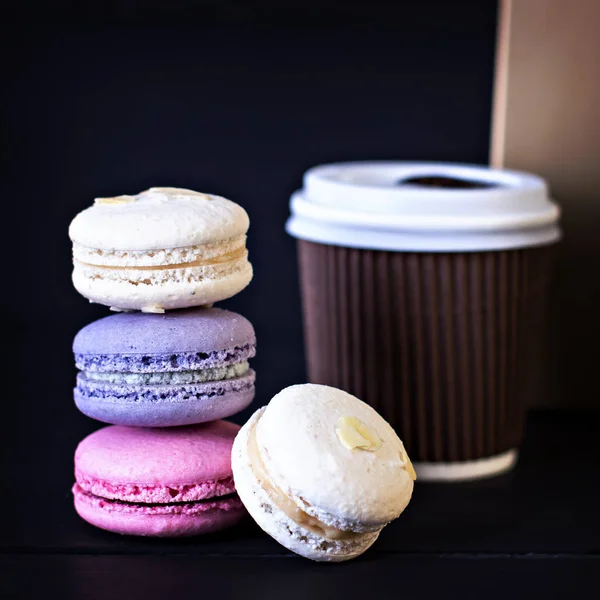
164 456
154 493
193 287
159 363
200 330
159 218
302 453
165 406
142 521
273 521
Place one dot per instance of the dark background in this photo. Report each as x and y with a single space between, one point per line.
238 99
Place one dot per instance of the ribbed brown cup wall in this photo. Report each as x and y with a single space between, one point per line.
441 344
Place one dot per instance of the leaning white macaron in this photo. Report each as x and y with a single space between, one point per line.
163 248
321 472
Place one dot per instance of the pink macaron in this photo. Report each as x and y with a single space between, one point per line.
167 482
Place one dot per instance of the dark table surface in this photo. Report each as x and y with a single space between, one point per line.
533 531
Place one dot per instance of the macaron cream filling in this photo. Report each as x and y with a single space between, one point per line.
171 377
222 258
155 498
286 504
168 258
190 507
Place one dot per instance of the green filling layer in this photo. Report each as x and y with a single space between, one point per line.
172 377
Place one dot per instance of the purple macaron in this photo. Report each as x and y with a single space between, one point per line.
163 370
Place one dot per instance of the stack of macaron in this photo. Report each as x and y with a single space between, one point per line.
167 368
318 470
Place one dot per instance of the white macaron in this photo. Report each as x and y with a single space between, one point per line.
321 472
163 248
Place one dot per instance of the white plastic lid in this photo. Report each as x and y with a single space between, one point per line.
365 205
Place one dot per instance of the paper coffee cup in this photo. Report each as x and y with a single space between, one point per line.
423 293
